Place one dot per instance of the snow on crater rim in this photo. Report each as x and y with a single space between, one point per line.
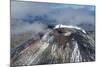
69 26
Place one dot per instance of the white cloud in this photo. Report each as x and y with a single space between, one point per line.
23 27
66 14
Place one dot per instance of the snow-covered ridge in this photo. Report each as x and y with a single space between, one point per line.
69 26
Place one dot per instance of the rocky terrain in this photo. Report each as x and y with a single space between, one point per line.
62 44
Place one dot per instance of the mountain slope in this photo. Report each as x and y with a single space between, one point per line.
63 44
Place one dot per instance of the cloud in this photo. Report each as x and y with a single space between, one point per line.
61 13
71 16
22 9
23 27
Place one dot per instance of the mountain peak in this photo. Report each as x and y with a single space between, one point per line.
69 27
62 44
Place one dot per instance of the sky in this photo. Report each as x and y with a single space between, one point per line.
33 16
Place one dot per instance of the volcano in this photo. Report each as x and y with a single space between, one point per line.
62 44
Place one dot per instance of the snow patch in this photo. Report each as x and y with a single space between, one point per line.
69 26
